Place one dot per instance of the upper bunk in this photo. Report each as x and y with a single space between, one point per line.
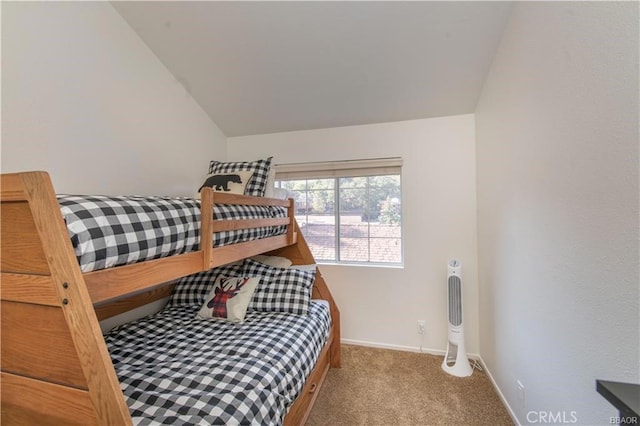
29 199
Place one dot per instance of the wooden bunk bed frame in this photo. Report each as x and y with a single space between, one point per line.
55 365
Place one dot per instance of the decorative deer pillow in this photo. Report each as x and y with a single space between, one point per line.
229 298
193 289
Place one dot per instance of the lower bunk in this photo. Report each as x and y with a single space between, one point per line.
176 369
197 362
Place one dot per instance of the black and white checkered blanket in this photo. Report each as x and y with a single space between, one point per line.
109 231
178 370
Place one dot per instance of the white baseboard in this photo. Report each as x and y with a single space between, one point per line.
438 352
500 394
393 347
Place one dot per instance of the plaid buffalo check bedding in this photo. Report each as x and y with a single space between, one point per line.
178 370
109 231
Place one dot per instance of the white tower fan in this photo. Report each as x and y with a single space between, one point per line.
455 361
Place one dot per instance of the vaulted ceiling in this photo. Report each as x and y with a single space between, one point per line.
264 67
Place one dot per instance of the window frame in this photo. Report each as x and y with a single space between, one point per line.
335 171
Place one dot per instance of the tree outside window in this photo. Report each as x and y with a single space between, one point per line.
350 219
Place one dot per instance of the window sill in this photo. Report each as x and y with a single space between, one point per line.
363 264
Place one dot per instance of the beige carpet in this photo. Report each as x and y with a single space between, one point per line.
386 387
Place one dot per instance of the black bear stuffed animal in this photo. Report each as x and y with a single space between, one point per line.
220 182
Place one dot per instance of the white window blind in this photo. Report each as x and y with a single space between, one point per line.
348 168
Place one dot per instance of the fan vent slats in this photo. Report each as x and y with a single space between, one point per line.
455 301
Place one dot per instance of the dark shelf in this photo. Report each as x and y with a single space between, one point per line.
624 396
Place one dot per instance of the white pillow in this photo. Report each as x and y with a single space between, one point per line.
271 182
229 298
275 261
280 193
311 267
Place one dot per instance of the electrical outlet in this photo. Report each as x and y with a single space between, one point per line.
421 326
521 395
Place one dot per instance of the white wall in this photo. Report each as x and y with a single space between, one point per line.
381 305
557 172
84 99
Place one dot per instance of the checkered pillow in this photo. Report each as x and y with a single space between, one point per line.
193 289
280 289
260 168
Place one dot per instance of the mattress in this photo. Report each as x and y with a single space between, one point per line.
109 231
178 370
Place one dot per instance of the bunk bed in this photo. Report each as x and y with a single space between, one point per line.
56 366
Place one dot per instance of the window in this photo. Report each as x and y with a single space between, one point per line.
353 216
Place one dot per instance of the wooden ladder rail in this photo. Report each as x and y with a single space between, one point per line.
55 364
